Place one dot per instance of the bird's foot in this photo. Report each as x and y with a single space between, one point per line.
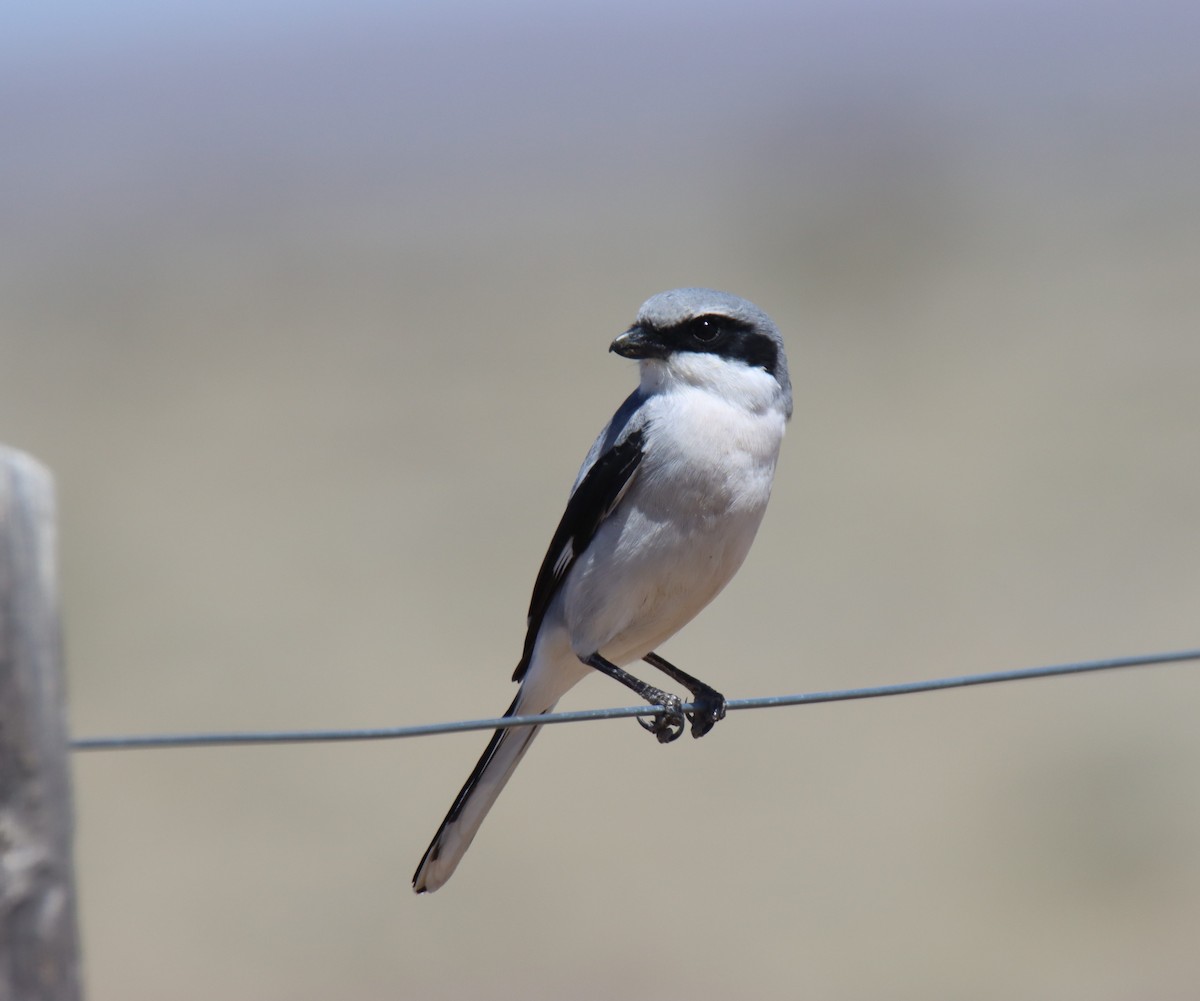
710 708
666 726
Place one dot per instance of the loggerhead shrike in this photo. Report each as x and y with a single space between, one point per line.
661 516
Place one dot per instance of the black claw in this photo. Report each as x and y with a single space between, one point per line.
666 726
710 709
709 703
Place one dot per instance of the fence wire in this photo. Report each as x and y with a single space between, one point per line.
231 739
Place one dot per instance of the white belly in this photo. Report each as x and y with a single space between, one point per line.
677 537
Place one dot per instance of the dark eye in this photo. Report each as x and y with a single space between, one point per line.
705 329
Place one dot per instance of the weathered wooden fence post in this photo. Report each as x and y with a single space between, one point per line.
39 944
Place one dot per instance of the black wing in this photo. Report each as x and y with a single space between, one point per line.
592 502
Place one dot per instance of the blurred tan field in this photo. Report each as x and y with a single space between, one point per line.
308 310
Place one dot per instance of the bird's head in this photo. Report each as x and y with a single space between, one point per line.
708 338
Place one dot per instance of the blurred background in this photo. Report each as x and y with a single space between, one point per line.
307 307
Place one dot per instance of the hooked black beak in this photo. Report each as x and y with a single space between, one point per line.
638 342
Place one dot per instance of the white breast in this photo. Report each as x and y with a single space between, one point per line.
684 527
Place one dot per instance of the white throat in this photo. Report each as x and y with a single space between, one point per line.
733 381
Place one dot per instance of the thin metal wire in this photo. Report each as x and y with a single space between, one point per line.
459 726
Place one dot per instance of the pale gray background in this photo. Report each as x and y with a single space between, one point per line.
307 307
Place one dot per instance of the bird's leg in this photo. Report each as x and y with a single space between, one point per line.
710 704
667 726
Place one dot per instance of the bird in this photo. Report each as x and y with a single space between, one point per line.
660 518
